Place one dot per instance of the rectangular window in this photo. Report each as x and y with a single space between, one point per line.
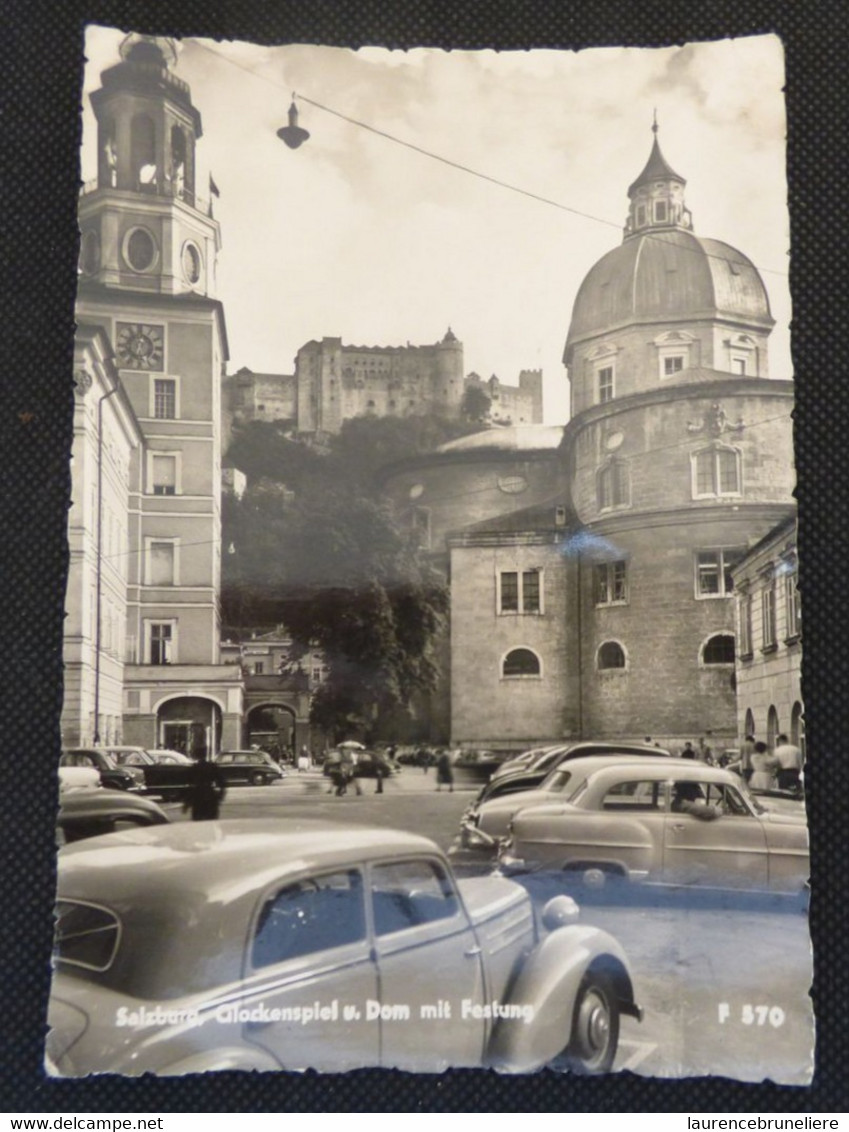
794 609
421 527
165 399
738 365
614 485
520 592
509 592
160 563
530 591
768 617
611 583
161 643
746 625
716 472
660 211
164 475
673 364
605 384
713 572
259 668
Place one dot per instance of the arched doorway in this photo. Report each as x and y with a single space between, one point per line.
749 724
191 724
272 727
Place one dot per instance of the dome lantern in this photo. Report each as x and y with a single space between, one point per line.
657 195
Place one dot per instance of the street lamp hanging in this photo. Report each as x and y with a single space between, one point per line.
293 134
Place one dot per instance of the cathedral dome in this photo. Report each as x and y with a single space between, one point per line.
665 275
663 272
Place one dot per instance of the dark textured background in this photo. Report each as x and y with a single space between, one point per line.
40 80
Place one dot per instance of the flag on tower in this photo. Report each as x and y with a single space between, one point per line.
213 188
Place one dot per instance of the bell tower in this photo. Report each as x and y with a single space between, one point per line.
143 225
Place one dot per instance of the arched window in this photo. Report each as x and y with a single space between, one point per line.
143 152
772 728
614 485
179 164
719 649
750 722
611 655
715 472
521 662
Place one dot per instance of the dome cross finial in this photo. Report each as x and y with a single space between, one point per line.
654 123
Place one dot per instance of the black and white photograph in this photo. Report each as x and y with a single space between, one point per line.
433 644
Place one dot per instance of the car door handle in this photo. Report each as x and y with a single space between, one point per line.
471 952
678 826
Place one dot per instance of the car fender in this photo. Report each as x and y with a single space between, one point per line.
544 992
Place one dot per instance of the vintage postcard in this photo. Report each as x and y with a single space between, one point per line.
432 665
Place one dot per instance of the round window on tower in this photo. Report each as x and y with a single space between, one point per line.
191 262
140 249
89 252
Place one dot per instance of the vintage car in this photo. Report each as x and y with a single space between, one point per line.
664 821
90 813
487 820
249 768
112 776
241 945
78 778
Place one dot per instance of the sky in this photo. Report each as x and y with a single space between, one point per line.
357 237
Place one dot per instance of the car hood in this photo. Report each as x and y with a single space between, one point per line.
487 897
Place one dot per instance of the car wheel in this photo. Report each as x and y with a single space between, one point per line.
595 1026
257 778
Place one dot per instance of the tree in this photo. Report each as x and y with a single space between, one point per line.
319 551
476 405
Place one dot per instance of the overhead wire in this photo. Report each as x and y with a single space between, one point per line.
660 237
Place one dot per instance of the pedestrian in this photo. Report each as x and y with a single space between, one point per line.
380 769
789 764
764 766
688 752
705 753
350 772
334 771
423 758
304 759
206 791
444 772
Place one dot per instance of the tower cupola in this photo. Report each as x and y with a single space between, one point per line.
657 196
147 125
143 224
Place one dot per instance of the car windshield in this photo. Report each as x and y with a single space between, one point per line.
132 758
557 781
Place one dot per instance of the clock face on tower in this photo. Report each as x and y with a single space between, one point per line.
139 346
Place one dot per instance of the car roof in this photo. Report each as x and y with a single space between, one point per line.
604 768
614 746
221 860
